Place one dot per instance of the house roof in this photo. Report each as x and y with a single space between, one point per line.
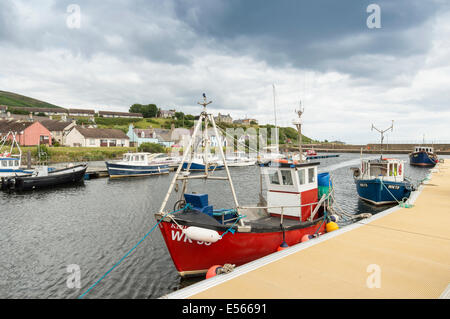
119 113
148 133
81 111
53 125
101 133
15 126
164 135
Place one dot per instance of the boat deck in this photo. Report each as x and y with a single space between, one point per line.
399 253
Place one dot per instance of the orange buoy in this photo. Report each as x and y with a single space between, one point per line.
212 271
306 238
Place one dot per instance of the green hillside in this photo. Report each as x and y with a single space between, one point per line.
13 99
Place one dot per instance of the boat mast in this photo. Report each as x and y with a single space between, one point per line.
275 115
382 135
298 124
204 117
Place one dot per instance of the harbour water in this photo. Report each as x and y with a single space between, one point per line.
96 224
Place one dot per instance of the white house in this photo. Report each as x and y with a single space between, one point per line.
96 137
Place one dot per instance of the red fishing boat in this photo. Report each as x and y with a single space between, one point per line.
199 236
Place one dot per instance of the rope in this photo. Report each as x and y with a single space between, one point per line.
230 229
401 203
129 252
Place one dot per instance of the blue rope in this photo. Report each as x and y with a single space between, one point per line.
230 229
129 252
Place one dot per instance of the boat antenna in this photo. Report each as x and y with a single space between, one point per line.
298 124
382 135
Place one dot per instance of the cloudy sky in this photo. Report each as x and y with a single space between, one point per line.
111 54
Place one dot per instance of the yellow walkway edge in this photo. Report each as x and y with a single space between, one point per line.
399 253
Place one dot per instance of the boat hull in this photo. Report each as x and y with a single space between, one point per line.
122 170
67 176
375 192
194 258
200 167
421 159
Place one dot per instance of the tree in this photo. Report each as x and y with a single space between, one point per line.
149 110
151 148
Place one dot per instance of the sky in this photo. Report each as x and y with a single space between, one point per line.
108 55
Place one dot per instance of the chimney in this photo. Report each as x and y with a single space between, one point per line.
30 117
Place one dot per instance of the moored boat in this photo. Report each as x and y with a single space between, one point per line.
135 164
43 178
198 235
382 181
423 156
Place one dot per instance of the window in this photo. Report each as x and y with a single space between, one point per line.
11 163
311 175
287 177
4 163
91 141
274 179
301 176
16 162
103 142
142 157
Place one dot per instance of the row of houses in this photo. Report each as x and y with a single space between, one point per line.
71 112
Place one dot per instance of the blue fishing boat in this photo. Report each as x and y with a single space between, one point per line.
136 164
423 156
382 181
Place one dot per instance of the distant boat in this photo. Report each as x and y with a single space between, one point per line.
135 164
423 156
198 164
240 159
311 152
43 178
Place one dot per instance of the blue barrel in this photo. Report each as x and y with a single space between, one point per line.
323 179
324 184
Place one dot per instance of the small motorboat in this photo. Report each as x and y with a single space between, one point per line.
136 164
423 156
43 178
311 152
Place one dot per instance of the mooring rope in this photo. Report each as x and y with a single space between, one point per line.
129 252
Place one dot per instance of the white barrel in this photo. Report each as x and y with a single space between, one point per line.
201 234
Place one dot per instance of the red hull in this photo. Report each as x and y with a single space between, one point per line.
194 257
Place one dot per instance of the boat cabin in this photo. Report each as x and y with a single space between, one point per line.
423 149
292 185
136 158
387 169
9 162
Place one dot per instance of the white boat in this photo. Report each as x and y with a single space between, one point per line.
163 159
10 163
240 159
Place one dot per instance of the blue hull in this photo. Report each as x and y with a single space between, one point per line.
421 159
200 167
376 193
121 170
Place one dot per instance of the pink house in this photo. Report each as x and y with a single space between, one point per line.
27 133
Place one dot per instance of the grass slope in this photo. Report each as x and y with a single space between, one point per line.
13 99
